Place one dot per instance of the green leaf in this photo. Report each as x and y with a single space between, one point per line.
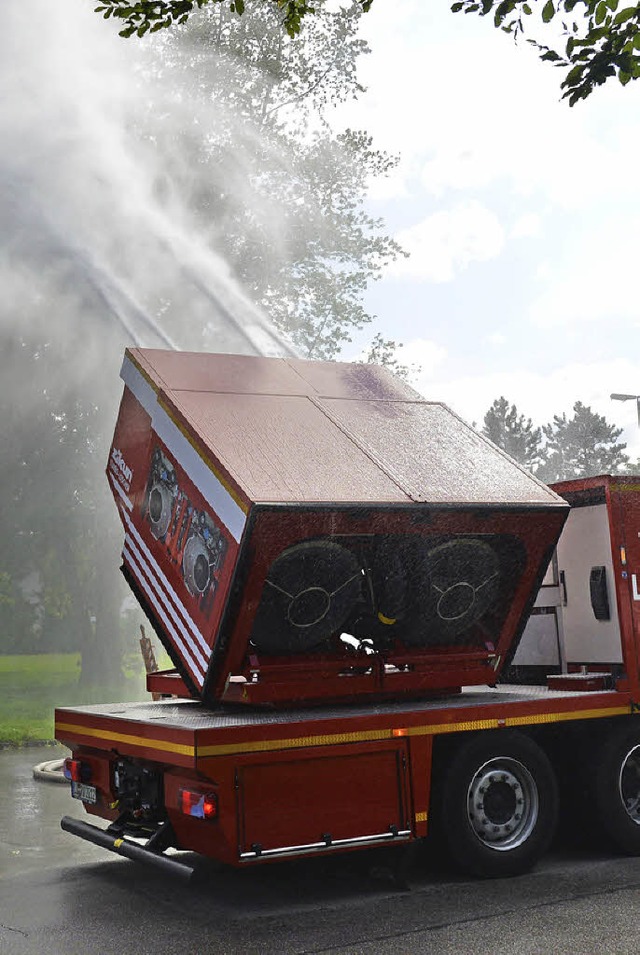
624 77
457 7
573 75
626 14
601 12
548 11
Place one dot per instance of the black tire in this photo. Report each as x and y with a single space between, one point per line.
616 787
497 806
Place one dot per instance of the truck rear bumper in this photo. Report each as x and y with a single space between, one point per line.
111 839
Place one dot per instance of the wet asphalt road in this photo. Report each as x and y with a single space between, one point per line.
61 896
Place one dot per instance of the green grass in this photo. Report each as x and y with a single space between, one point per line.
31 686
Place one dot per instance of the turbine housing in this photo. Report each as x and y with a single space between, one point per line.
299 531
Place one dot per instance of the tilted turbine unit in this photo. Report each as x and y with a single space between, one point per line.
300 530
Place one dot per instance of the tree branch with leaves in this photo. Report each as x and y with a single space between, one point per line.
149 16
599 39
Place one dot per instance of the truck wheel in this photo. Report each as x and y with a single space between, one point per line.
616 788
498 805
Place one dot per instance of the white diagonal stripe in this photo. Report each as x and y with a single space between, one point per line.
140 574
195 650
116 487
167 586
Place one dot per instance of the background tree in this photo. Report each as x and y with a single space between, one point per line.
632 467
514 433
270 166
384 351
600 38
61 542
581 446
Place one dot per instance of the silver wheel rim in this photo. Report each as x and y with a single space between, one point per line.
502 803
629 784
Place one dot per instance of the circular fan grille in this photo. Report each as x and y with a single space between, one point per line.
309 592
461 582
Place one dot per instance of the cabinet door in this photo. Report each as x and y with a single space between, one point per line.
294 802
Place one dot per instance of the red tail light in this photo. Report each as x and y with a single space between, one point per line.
73 770
200 805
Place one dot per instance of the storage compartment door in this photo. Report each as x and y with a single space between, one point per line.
294 804
583 549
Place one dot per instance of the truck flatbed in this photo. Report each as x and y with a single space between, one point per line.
185 731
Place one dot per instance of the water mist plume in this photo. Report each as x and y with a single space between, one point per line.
80 173
100 247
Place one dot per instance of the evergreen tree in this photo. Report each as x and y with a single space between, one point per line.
513 433
581 446
632 468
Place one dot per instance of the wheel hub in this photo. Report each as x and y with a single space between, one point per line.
502 803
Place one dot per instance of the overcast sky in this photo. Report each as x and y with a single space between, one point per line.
522 217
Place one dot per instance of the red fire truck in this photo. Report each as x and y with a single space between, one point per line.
348 581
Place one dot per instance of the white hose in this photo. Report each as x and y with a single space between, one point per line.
50 771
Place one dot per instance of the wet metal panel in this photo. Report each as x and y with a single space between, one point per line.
434 456
188 714
231 374
332 379
282 449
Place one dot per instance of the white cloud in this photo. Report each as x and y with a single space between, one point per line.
448 241
595 280
539 395
527 226
497 338
427 354
460 99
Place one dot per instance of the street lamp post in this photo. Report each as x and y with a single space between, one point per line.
635 398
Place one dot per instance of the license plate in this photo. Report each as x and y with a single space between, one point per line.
84 792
